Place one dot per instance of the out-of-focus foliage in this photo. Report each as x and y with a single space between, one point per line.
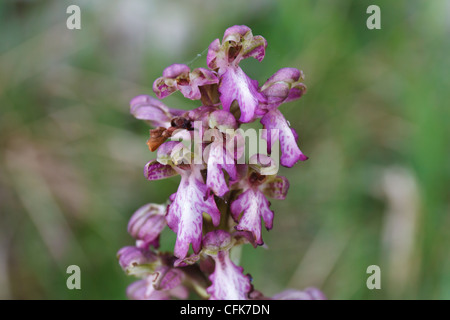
374 123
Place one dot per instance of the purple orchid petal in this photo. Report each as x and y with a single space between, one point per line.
135 260
175 153
166 278
236 85
144 290
295 134
276 188
138 291
255 48
202 114
276 94
213 51
283 86
290 153
307 294
163 89
185 213
176 70
179 77
198 78
228 280
154 170
251 46
145 244
296 92
218 159
215 241
180 292
315 293
172 76
238 43
165 149
243 237
147 108
172 197
222 120
287 75
147 223
253 205
235 33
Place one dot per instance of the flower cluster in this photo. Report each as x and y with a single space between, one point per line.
221 202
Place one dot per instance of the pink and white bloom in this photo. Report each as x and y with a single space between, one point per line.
252 205
283 86
179 77
238 43
147 223
159 279
228 281
152 110
185 213
290 152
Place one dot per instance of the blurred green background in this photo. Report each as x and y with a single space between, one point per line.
375 124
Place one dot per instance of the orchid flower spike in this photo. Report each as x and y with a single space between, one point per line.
222 200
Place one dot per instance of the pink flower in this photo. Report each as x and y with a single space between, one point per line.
185 213
238 43
228 281
252 205
178 77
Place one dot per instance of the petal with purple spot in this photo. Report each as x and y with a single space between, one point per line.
290 153
276 188
185 213
154 170
228 280
253 206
